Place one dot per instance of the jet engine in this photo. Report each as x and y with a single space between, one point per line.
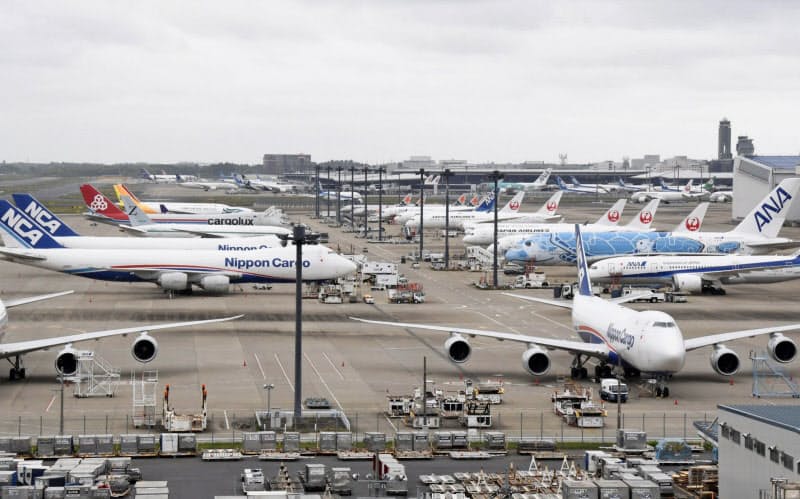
535 360
642 198
145 348
67 361
457 348
690 283
724 361
781 348
173 281
215 283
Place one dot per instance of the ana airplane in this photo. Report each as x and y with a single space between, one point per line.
458 219
696 273
756 234
599 187
144 348
645 343
164 207
36 216
509 233
401 215
103 210
536 185
172 270
622 186
164 178
577 189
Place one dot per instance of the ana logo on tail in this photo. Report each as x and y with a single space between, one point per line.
646 217
613 216
774 204
98 203
693 224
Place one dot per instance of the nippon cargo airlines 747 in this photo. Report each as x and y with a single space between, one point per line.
756 234
646 342
164 207
171 270
38 216
144 348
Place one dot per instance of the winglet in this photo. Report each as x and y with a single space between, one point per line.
43 217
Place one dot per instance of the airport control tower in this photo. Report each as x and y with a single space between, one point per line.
724 145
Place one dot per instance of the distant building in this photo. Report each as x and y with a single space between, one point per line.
417 162
744 146
754 176
724 142
276 164
757 443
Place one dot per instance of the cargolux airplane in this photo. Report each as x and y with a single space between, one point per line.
144 349
646 342
171 270
154 207
756 234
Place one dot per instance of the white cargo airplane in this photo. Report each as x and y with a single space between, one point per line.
696 273
171 270
180 208
642 342
578 189
144 349
686 193
459 219
536 185
39 217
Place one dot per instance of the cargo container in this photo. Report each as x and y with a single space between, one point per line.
340 481
578 489
314 477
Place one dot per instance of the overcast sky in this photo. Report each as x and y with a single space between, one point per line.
380 80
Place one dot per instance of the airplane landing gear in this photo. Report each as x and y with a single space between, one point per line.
602 371
578 371
662 390
17 371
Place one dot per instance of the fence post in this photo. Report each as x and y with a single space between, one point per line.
643 428
684 426
41 423
520 426
664 424
541 425
19 426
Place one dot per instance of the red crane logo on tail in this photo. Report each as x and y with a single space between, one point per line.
613 216
646 217
514 205
693 224
552 206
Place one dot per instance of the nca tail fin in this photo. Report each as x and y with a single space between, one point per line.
513 204
612 216
101 205
20 231
550 207
584 283
644 219
768 215
694 220
43 217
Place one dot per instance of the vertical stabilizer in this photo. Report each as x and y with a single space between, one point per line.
43 217
513 204
21 231
101 205
612 216
584 284
693 220
550 207
644 219
767 216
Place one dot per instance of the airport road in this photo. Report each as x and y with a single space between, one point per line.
356 365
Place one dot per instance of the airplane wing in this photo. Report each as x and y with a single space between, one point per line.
152 273
23 347
32 299
593 349
554 303
773 245
203 234
21 253
704 341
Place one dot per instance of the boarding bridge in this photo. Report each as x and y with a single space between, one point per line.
94 376
769 380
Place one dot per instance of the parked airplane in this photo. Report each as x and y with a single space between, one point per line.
756 234
643 221
642 342
103 210
593 187
164 178
401 215
458 219
666 195
623 186
211 270
37 216
164 207
577 189
144 348
697 273
272 184
536 185
206 185
721 197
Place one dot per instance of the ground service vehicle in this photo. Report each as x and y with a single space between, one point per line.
610 387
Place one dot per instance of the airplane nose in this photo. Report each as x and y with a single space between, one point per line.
345 266
671 356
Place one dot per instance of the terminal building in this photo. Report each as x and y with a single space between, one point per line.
758 445
754 176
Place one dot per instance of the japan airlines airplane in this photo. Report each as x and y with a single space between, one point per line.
39 217
756 234
512 232
144 348
696 273
642 342
436 220
164 207
402 214
578 189
536 185
686 193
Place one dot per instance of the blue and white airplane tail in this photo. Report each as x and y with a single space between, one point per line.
664 186
767 216
143 173
574 181
486 205
43 217
20 231
584 284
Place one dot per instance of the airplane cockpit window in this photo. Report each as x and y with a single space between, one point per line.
663 324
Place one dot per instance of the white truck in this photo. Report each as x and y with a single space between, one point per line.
650 295
531 280
610 388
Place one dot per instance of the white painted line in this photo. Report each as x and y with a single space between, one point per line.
50 404
259 366
390 423
291 386
227 425
323 381
333 365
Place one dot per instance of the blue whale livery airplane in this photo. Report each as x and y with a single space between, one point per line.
756 234
647 342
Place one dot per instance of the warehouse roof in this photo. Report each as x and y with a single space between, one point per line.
783 416
778 162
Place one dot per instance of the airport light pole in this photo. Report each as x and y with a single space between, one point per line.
299 237
316 192
328 190
446 174
421 225
366 204
381 171
496 176
339 196
352 198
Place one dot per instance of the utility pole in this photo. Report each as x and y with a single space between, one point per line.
352 198
381 171
339 196
328 190
446 174
496 176
421 225
366 204
316 191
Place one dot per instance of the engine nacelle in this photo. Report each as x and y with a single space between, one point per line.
457 348
690 283
219 284
67 361
725 361
535 360
641 198
145 348
173 281
781 348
